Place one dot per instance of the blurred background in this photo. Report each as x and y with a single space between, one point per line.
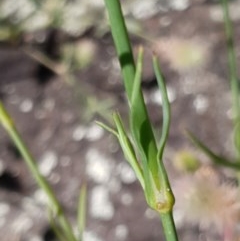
59 74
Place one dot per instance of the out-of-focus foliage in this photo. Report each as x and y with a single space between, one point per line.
73 16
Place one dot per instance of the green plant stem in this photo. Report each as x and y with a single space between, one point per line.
232 62
82 209
125 55
55 206
169 226
122 43
234 81
139 116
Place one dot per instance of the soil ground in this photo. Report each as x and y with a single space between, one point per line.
56 120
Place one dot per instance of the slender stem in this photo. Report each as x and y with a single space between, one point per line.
169 226
232 62
148 143
122 43
234 81
55 206
82 209
125 55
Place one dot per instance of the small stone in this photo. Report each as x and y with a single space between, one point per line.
156 96
145 9
127 175
121 232
35 238
4 209
180 5
201 104
47 163
100 205
79 133
98 167
90 236
94 133
26 105
126 199
41 197
21 224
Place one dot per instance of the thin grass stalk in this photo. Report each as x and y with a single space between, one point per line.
169 226
82 209
234 81
148 145
126 59
55 206
122 43
232 61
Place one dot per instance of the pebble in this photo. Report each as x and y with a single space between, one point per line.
79 133
98 166
35 238
201 104
121 232
47 163
91 133
126 173
4 209
126 199
26 106
91 236
94 133
156 97
100 205
22 224
41 197
179 5
145 9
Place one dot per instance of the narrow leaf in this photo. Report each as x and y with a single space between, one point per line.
140 125
107 128
165 106
219 160
56 228
128 149
82 209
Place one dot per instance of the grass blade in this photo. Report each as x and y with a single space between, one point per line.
140 126
165 106
54 204
214 157
82 209
128 149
